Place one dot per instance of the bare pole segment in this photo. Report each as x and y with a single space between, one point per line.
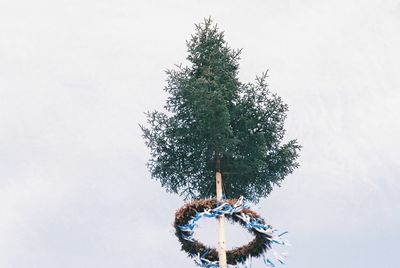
220 220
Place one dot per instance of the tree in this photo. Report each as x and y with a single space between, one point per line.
213 123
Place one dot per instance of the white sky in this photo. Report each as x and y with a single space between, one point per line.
76 77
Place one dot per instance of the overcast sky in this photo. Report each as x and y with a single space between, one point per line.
76 77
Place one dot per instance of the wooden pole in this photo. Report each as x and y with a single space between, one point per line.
221 221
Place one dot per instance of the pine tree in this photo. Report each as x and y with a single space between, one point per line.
214 123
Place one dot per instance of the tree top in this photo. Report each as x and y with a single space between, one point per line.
212 122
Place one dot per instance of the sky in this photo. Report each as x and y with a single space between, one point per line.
77 76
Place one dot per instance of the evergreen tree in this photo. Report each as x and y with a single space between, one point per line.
213 123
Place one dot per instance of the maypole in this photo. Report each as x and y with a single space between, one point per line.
215 125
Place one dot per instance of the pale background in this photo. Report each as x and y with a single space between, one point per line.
76 77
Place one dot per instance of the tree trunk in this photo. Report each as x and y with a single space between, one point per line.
221 221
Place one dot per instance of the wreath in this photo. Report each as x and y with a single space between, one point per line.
235 210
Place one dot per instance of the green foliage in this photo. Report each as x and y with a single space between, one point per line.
214 122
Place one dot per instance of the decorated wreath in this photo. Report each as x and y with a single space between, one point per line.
235 210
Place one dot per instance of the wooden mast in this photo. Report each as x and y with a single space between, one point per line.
220 219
